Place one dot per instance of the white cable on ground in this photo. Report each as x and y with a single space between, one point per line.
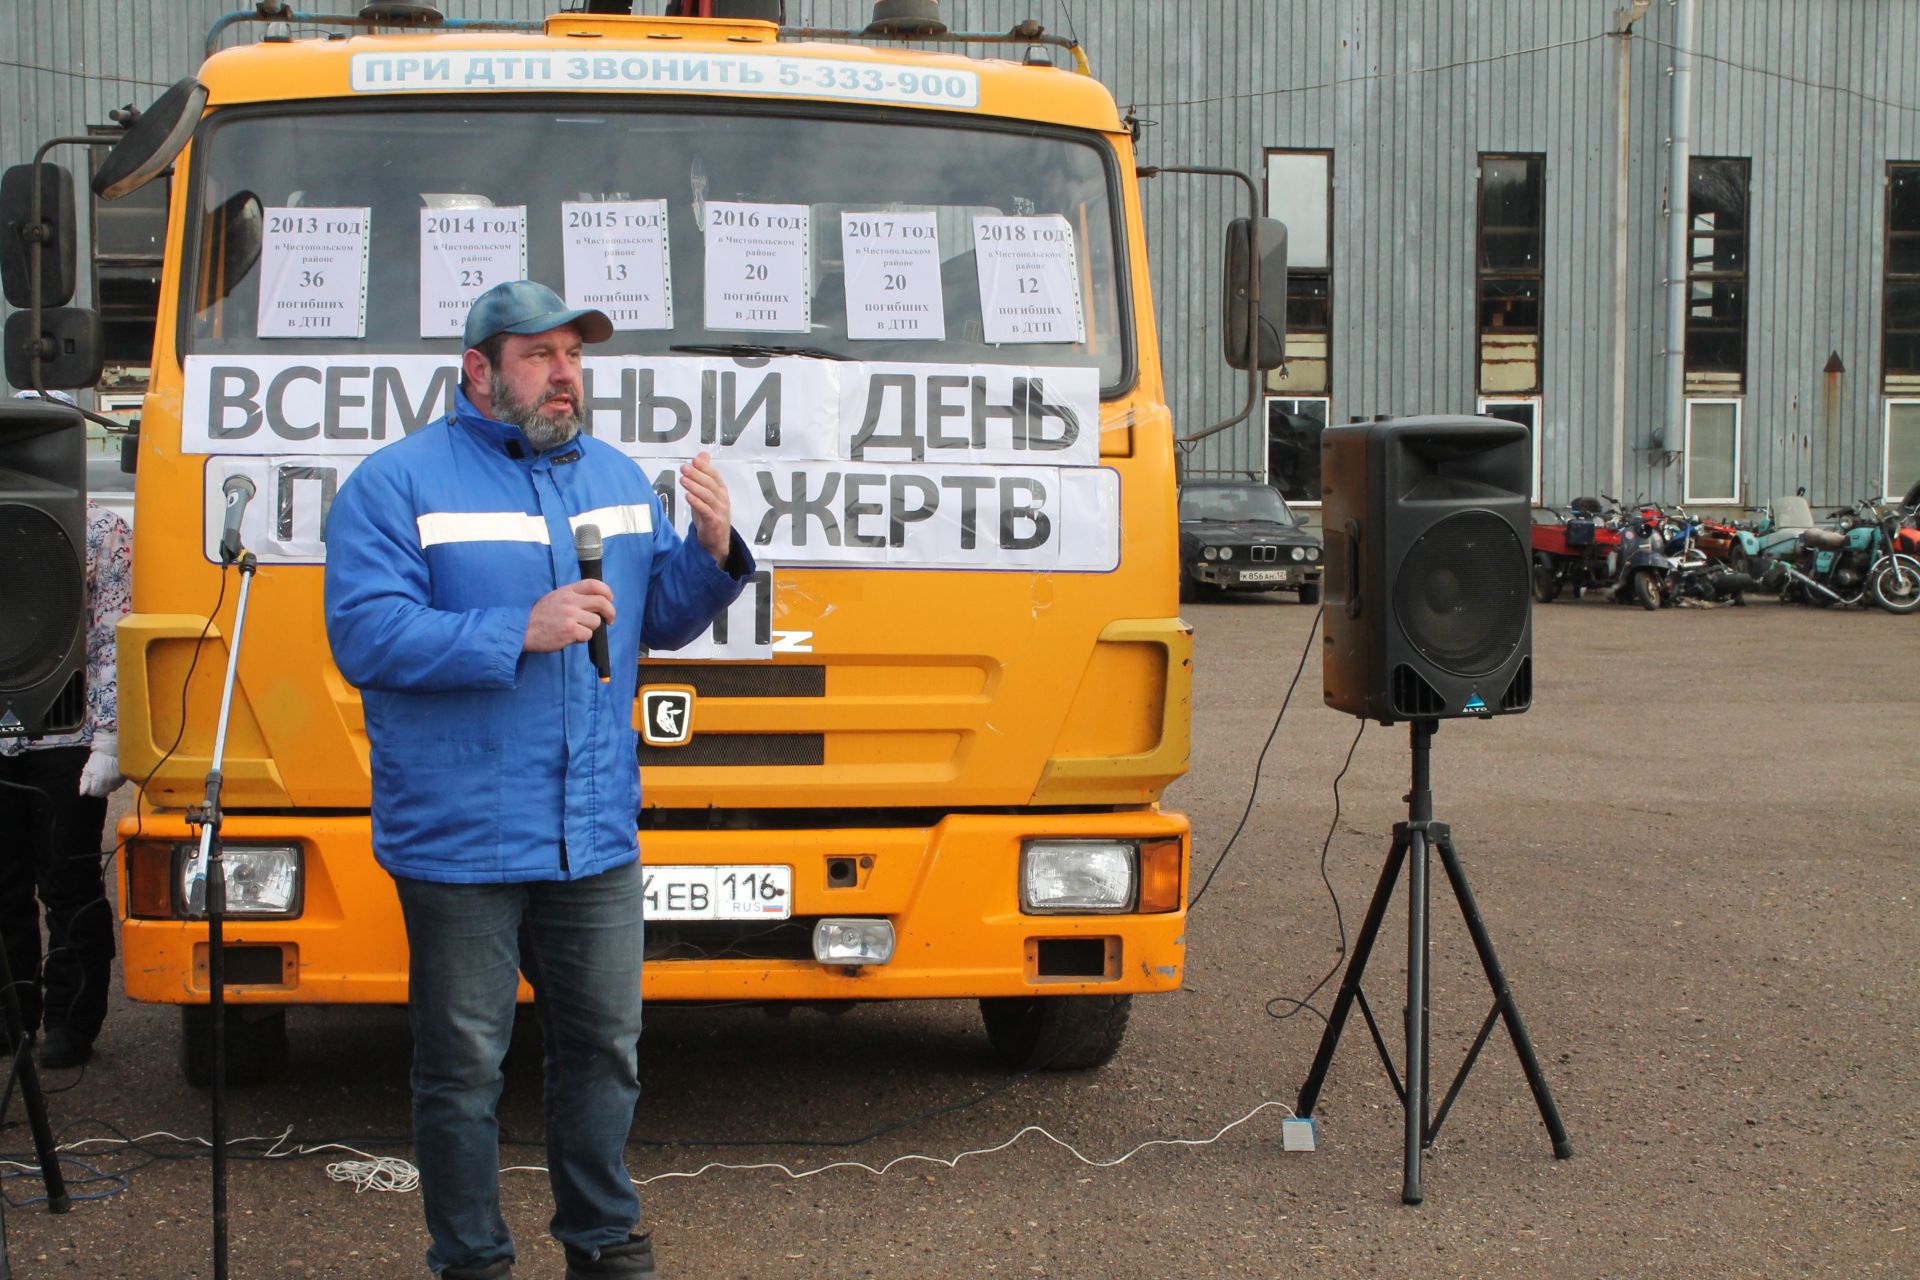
390 1173
374 1173
945 1161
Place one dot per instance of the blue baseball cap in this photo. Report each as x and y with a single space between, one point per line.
524 306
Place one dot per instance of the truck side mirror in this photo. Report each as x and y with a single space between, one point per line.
156 136
52 222
1255 244
69 344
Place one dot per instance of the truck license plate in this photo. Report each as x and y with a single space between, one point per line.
717 893
1263 575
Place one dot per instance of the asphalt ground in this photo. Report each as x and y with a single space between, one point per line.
1695 856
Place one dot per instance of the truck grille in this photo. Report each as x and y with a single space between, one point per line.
738 750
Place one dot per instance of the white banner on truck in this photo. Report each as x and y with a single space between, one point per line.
786 408
769 75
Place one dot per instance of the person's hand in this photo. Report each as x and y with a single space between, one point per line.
568 615
712 509
100 777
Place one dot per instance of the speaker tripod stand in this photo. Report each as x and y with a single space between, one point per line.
1412 841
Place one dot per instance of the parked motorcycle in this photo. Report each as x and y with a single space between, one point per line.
1776 534
1860 559
1580 551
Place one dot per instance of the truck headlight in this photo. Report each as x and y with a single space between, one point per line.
1076 876
262 880
852 940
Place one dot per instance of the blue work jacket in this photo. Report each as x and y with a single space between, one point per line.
489 764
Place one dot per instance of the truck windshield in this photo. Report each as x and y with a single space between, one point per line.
736 229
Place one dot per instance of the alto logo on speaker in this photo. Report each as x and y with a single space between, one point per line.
1428 594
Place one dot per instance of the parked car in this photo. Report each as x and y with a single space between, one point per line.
1240 535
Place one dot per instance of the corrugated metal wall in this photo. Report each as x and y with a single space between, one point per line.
1406 94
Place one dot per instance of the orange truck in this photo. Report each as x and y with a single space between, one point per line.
901 294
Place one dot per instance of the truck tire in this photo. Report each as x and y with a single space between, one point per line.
1055 1033
256 1043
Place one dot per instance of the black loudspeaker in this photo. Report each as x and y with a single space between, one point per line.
43 568
1427 592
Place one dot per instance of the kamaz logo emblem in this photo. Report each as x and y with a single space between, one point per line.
666 717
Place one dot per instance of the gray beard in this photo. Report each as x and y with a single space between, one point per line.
542 432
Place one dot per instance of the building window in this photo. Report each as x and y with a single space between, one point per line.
1900 457
1512 246
1300 194
1293 446
129 240
1713 451
1512 238
1527 414
1900 349
1717 267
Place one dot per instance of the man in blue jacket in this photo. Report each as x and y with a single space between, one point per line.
506 788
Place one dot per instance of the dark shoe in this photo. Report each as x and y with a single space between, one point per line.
632 1260
501 1270
65 1047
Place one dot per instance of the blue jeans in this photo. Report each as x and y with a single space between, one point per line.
579 943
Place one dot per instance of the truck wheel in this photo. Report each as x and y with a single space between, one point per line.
1310 594
1055 1033
256 1043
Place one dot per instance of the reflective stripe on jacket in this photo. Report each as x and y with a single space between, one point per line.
490 764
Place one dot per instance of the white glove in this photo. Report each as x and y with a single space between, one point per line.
101 776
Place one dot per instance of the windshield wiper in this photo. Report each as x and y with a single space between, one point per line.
754 349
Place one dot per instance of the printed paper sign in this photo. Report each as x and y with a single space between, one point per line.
464 253
1029 280
757 277
313 273
892 275
616 261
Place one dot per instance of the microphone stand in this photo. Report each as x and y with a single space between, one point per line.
210 865
35 1102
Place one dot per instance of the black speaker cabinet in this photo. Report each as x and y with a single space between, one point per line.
1428 606
43 568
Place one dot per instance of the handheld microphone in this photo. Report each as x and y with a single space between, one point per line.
586 545
239 492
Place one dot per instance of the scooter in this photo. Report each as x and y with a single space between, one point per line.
1645 567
